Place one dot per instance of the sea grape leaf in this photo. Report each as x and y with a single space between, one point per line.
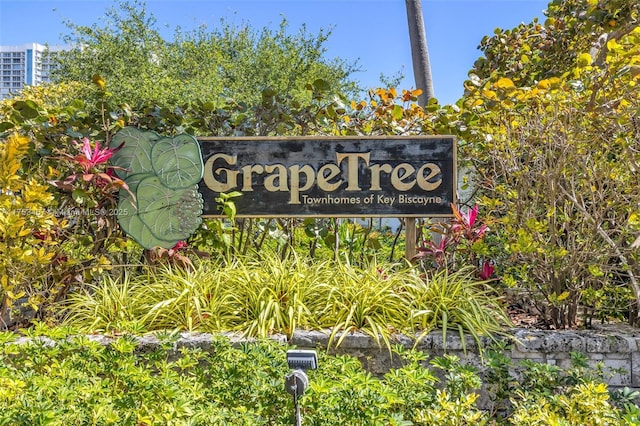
170 214
128 205
130 221
135 155
143 235
177 161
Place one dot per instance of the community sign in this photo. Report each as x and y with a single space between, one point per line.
362 176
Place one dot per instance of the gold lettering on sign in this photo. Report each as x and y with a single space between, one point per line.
352 167
230 176
280 176
247 181
325 174
296 172
423 181
375 175
221 174
400 174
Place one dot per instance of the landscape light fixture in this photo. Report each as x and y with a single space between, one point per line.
296 382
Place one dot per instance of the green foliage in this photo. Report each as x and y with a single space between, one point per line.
554 161
66 157
408 395
550 395
259 297
367 299
278 295
500 383
583 404
534 393
230 61
60 378
387 112
455 300
79 381
461 242
28 253
108 304
533 52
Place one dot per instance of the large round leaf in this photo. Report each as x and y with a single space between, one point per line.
170 214
128 205
135 155
129 219
145 237
177 161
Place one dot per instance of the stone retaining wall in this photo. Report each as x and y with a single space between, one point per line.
616 347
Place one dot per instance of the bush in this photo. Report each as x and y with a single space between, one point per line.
57 378
28 228
555 165
259 298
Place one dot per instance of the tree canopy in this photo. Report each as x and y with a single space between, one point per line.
205 64
532 52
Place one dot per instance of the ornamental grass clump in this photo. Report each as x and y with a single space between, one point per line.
274 295
455 300
107 305
258 298
366 299
185 299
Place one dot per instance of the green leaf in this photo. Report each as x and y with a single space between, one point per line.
143 234
78 196
396 113
170 214
135 154
6 125
177 161
148 240
321 85
28 109
127 204
130 221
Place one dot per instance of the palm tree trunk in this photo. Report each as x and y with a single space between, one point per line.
419 51
424 81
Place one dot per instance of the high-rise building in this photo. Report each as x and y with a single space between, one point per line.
27 64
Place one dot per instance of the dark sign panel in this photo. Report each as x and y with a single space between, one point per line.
331 177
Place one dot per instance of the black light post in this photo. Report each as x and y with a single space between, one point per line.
296 382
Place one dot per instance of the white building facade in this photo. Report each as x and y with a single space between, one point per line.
27 64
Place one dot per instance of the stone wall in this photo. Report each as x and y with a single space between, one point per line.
618 348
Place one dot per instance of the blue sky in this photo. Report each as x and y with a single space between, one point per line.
372 31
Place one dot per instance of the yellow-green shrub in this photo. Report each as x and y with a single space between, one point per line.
27 224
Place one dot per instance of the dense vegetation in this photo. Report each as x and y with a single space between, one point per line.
548 135
61 379
553 136
205 64
258 298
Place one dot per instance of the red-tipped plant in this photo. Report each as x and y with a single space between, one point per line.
460 243
487 270
435 251
90 158
464 224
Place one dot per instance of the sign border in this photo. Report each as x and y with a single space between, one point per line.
275 139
